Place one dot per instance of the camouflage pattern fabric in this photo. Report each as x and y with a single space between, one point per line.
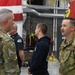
67 57
8 58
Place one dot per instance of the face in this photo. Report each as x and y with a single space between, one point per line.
66 28
37 30
10 23
11 31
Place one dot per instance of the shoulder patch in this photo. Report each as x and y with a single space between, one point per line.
19 40
11 53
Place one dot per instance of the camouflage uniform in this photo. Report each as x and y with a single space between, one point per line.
67 57
8 58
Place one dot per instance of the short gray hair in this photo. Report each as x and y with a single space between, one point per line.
4 13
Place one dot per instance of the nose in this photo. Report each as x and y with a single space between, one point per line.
61 28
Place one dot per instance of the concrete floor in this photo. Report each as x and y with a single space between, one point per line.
24 71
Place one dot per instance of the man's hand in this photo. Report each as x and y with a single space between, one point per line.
28 70
23 62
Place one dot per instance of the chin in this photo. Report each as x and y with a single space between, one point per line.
62 34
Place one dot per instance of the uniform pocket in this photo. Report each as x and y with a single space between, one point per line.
65 56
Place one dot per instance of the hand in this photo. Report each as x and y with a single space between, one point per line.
28 70
23 62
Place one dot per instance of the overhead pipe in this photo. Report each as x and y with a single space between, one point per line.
48 15
43 7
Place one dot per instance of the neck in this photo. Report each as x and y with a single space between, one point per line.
40 36
14 33
69 36
3 28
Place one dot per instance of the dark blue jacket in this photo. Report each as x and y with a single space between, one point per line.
38 63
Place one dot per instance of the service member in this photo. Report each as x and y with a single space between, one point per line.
67 48
8 57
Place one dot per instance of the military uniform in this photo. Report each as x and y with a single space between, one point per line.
67 57
8 58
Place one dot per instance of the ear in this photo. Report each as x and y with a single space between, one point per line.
6 21
73 28
39 29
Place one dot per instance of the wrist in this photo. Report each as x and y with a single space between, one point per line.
29 69
23 60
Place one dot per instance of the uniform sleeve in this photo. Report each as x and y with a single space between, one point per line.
67 66
10 58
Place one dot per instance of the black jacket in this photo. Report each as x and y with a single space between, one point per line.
38 63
